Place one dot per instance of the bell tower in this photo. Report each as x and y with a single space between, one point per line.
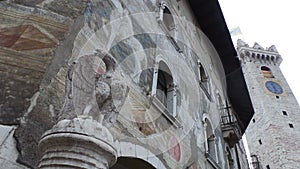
273 134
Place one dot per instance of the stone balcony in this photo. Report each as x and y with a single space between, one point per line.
230 129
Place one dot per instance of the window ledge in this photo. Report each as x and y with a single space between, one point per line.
212 161
165 112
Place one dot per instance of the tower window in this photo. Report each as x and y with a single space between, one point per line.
260 141
253 120
277 97
284 113
268 167
266 72
291 125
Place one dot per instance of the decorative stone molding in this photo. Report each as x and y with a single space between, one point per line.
77 143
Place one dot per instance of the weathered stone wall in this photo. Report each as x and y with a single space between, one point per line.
136 38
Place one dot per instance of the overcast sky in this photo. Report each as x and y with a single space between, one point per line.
270 22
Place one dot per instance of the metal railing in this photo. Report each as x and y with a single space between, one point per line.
229 122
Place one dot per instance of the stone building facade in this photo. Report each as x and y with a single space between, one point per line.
120 84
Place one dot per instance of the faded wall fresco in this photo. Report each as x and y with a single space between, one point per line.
76 79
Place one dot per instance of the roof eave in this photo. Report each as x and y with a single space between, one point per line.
212 22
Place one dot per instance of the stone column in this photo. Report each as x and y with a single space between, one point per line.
95 93
77 143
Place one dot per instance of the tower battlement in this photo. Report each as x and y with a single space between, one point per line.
258 53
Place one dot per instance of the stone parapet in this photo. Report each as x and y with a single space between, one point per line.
258 53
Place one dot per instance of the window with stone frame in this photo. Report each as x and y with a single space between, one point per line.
203 80
166 18
164 88
167 22
210 143
267 73
203 76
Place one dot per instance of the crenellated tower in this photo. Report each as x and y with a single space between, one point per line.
273 135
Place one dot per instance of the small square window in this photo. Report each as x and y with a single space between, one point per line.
277 97
291 125
259 141
284 113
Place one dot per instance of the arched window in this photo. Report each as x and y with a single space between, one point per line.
164 88
267 72
167 20
210 144
203 79
202 74
220 102
130 162
210 140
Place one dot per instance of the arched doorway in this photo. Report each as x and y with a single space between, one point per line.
131 163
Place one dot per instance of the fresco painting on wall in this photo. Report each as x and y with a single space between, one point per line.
174 148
